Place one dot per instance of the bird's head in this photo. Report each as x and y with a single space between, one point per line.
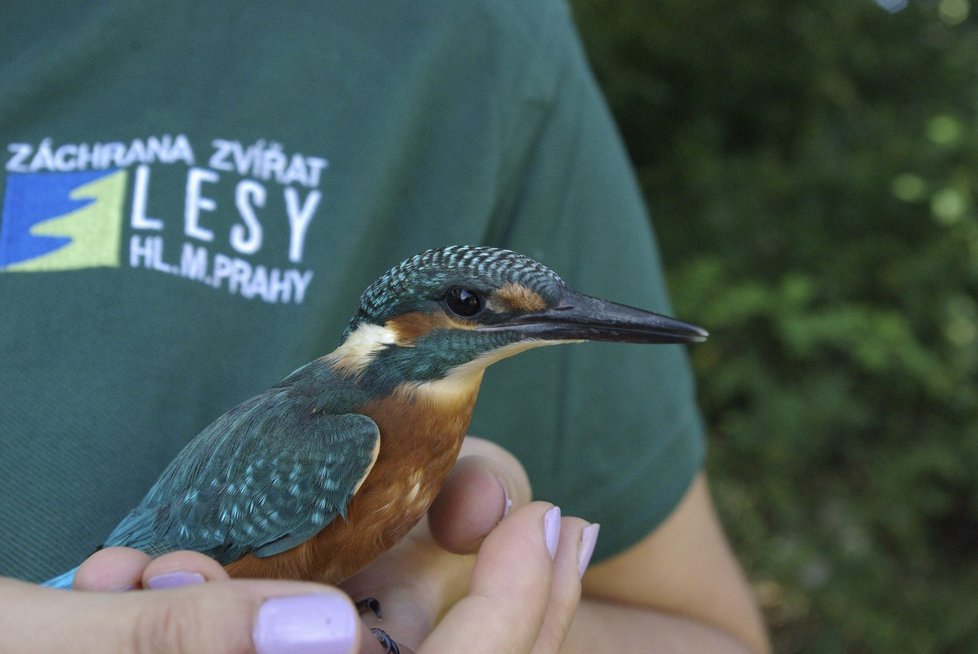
446 314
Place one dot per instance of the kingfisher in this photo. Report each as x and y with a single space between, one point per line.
323 472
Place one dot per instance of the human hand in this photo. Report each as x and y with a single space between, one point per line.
230 616
518 600
430 577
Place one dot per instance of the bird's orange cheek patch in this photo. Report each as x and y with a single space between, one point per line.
411 326
518 298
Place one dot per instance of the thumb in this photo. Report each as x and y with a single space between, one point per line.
486 483
264 617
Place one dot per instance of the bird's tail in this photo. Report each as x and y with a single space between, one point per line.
62 581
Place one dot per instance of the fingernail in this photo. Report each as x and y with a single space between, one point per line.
324 623
507 503
174 580
551 530
589 538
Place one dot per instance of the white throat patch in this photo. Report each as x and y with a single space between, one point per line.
357 351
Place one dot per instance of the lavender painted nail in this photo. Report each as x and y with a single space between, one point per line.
174 579
589 538
323 623
551 529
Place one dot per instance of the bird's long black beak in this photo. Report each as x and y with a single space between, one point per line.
581 317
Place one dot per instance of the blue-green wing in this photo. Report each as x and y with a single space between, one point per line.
263 478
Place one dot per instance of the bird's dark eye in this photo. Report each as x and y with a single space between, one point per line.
463 302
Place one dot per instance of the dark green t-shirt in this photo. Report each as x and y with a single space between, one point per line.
195 195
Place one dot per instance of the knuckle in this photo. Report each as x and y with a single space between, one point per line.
192 622
166 627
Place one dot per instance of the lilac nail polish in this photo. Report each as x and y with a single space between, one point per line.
324 623
174 580
551 530
589 538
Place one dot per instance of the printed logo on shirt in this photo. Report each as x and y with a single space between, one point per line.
71 206
62 221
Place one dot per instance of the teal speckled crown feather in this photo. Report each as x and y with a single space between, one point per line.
426 275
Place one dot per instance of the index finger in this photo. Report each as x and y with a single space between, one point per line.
509 591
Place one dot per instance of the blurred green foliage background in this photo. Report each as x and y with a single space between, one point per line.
812 170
